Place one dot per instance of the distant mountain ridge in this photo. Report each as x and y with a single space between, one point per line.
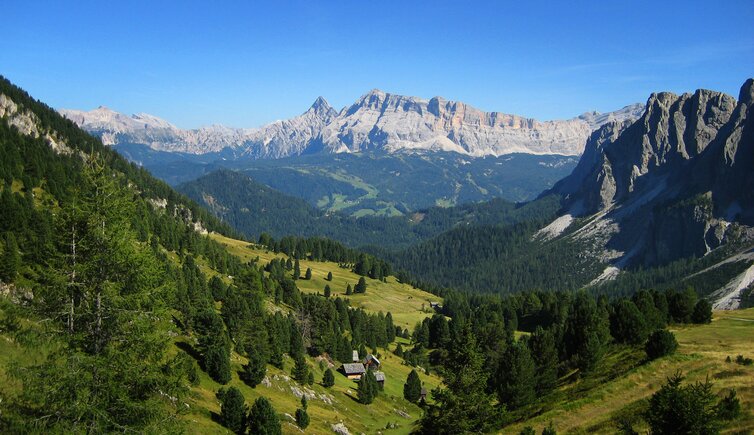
376 121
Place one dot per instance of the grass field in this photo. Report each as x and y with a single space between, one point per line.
623 381
328 406
407 304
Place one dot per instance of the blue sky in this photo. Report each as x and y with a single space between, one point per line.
244 64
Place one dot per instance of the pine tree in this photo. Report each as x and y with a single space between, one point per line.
263 419
412 389
10 260
702 312
463 406
368 388
586 332
690 409
327 290
328 379
300 369
627 324
517 375
302 418
348 290
308 274
329 276
255 370
542 345
361 286
660 343
233 410
296 270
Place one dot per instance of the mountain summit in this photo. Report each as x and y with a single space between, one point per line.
377 120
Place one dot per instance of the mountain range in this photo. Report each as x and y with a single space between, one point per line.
376 121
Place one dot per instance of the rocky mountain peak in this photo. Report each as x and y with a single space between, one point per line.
746 95
322 108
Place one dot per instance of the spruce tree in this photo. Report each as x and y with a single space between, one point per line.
517 375
329 276
327 291
328 379
660 343
10 260
361 286
233 410
368 389
545 354
302 418
300 369
702 312
627 324
296 270
348 290
308 274
254 371
263 419
412 389
462 406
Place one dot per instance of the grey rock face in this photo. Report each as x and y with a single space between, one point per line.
670 184
377 120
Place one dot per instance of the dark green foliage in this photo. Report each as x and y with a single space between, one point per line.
349 292
254 371
681 304
233 410
308 274
263 419
627 324
702 312
327 290
296 270
516 377
660 343
361 286
328 379
329 276
545 354
528 430
586 332
463 406
302 418
729 407
310 378
412 389
300 369
10 260
213 345
367 388
744 361
689 409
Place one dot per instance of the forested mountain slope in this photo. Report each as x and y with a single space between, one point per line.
666 199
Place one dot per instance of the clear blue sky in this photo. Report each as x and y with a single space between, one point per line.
244 64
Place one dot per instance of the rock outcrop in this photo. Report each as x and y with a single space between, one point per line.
676 183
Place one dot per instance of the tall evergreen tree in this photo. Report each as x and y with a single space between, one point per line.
233 410
300 369
412 389
463 406
586 332
361 286
10 260
327 291
349 291
702 312
308 274
263 419
329 276
296 270
627 324
517 376
254 371
545 354
328 379
367 388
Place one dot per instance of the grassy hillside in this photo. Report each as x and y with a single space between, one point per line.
623 382
407 304
327 406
